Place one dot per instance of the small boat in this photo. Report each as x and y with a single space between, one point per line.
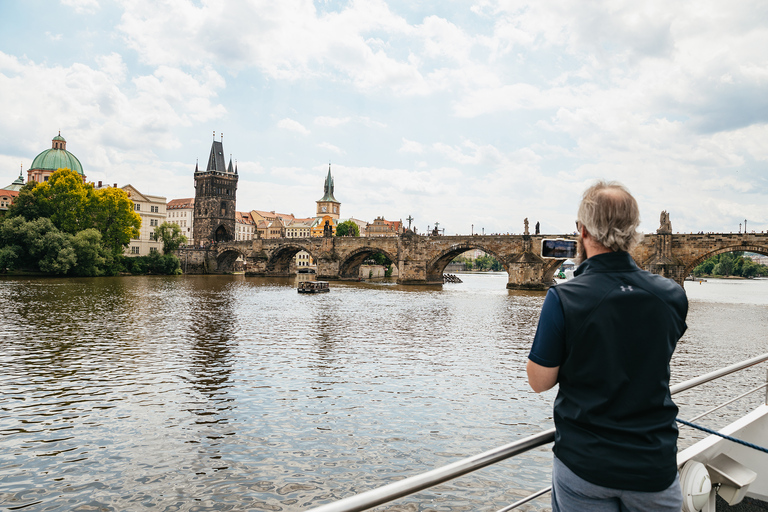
313 287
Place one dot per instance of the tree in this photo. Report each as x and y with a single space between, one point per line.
115 219
347 228
92 257
170 235
73 206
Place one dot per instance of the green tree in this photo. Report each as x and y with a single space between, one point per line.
74 206
92 257
66 200
170 235
347 228
115 218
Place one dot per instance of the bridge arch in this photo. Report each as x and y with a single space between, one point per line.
722 250
436 266
349 268
282 261
226 260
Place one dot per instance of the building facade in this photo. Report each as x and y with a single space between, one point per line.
152 210
182 213
301 228
9 194
382 227
215 197
245 227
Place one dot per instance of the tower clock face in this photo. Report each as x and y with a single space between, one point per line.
324 208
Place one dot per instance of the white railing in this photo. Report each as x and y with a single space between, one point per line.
411 485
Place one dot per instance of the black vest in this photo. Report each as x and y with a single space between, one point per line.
614 414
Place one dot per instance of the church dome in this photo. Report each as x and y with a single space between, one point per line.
57 158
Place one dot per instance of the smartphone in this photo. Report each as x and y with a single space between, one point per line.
558 248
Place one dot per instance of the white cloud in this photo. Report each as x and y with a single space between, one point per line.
332 121
291 125
82 6
410 146
332 148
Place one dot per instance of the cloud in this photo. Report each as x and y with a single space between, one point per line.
291 125
331 147
99 108
410 146
332 121
82 6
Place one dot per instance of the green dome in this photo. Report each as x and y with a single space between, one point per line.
57 158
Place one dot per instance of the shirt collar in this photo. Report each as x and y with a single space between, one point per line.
615 261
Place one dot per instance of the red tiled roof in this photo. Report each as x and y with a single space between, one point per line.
175 204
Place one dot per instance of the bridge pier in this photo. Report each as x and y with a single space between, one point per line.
526 272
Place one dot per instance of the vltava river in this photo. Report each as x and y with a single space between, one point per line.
233 393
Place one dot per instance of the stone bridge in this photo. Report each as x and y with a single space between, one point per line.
422 259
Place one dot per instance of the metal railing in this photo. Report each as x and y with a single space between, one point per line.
411 485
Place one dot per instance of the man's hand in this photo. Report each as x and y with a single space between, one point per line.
541 378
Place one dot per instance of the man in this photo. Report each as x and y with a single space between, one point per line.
607 337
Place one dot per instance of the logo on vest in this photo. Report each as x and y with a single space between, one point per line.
626 288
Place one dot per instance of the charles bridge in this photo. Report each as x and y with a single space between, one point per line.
422 259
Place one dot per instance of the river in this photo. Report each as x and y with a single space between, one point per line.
199 393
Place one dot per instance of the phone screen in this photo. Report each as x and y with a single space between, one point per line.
558 248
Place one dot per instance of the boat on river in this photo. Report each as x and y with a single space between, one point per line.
313 287
728 470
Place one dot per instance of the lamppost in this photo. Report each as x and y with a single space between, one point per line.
472 232
745 226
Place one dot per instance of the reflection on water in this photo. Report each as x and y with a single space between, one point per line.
234 393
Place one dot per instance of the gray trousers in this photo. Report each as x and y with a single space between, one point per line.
571 493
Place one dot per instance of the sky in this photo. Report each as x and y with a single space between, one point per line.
474 114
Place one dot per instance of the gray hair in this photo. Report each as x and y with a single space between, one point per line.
611 215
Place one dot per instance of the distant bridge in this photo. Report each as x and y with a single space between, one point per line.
422 259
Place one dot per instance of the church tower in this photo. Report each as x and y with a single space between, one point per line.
328 205
215 189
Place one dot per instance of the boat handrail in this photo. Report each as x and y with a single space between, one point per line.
416 483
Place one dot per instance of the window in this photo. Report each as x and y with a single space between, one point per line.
134 250
137 207
154 209
152 250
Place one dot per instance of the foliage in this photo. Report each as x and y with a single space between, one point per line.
66 227
730 264
39 246
74 206
154 263
378 258
115 219
347 228
170 235
487 262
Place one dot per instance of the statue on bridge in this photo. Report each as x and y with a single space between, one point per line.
526 226
665 224
327 229
537 227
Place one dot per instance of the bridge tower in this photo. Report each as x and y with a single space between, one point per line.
215 191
